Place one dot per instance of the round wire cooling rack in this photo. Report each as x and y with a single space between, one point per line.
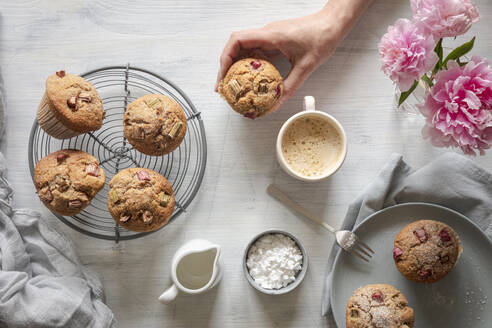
184 167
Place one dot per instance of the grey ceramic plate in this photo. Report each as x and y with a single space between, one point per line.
458 300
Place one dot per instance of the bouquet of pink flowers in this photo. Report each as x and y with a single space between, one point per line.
458 101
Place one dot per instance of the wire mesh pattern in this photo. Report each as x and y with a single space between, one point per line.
184 167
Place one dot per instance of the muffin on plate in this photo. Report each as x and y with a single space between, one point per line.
378 306
140 199
252 87
67 180
154 124
426 250
70 106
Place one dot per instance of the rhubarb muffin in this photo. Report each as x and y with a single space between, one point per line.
155 124
426 250
70 106
140 199
67 180
377 306
252 87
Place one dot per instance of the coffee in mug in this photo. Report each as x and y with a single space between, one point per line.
311 145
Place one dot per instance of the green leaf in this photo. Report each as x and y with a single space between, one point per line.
438 50
460 51
428 80
404 95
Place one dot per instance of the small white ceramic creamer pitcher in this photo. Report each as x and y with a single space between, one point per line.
195 269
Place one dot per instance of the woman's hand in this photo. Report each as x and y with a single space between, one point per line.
306 42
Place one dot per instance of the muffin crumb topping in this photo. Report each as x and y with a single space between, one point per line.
71 106
67 180
426 250
155 124
140 199
252 87
379 306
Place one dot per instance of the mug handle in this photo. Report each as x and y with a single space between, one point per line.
309 104
169 295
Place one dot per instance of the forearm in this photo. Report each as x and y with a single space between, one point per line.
339 17
305 41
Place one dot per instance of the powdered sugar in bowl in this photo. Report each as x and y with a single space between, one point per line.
275 262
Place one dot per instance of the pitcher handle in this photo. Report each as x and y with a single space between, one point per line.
169 295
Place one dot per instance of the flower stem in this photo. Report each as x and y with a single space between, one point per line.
428 80
404 95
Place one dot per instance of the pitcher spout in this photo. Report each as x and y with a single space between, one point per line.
169 295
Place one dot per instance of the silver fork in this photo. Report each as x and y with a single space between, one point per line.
347 240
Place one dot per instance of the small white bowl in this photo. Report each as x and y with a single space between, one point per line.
299 277
309 110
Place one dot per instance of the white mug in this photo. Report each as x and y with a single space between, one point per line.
310 110
195 269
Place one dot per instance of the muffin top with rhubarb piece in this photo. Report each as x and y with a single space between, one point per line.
67 180
426 250
140 199
252 87
155 124
75 102
378 306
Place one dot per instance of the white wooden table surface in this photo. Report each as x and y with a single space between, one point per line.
182 40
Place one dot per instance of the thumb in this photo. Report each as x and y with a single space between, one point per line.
294 80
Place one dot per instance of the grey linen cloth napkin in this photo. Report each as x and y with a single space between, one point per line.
451 180
42 282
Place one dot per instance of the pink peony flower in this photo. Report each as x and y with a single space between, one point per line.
444 18
406 53
458 109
